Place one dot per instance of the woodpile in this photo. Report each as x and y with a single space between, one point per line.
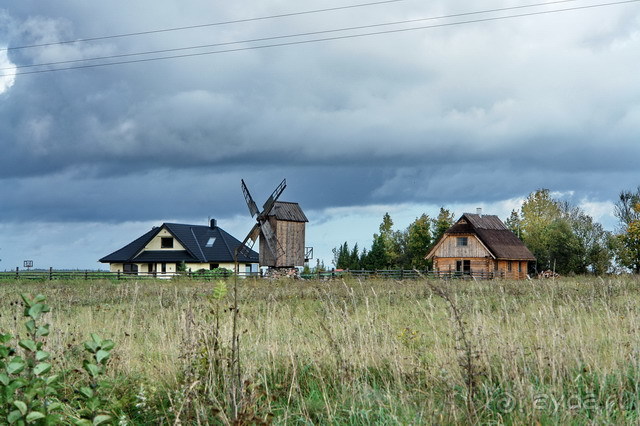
548 274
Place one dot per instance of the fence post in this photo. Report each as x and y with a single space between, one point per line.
50 273
118 274
17 272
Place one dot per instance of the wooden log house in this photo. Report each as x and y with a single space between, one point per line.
482 246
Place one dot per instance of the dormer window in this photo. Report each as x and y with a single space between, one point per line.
462 241
166 242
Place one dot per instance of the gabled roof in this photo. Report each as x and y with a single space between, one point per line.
284 210
193 238
496 237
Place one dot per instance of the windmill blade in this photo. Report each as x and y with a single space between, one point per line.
268 205
252 236
253 208
245 249
254 233
269 238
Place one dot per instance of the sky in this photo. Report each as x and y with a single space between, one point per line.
452 103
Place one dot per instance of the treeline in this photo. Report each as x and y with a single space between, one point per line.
396 249
562 237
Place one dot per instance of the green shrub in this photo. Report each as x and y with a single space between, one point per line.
29 394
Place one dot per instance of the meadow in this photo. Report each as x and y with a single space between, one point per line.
350 351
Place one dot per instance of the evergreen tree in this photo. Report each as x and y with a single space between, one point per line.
443 222
514 223
354 258
391 242
377 257
341 256
419 242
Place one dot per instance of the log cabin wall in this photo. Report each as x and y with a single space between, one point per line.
485 266
450 248
448 264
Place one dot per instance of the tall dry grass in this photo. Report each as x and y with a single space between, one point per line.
361 351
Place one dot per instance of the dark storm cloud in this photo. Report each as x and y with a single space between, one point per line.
467 114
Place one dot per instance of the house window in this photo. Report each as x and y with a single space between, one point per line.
462 241
519 266
211 241
130 268
213 266
509 266
463 266
166 242
164 268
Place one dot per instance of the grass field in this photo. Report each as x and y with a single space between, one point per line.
354 352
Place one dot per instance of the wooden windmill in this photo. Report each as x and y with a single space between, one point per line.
281 229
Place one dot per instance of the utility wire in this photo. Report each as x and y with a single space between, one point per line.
190 27
255 40
292 43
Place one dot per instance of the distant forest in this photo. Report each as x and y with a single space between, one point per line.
561 236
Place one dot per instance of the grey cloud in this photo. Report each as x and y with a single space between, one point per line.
482 112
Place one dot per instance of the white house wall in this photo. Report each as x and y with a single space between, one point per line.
155 243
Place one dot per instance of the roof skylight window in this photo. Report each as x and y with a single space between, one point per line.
211 241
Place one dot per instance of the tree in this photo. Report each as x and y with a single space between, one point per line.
562 236
419 242
594 243
625 208
354 258
627 241
392 241
564 251
538 212
377 257
514 223
443 222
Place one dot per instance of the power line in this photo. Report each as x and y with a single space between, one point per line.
292 43
178 49
190 27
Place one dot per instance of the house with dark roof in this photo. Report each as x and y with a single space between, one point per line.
481 245
163 248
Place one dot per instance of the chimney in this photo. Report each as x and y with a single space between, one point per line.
213 223
479 211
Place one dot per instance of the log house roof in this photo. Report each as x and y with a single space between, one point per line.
494 235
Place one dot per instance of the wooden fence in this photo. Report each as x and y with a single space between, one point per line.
399 274
51 274
393 274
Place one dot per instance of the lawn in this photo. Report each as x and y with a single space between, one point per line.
352 352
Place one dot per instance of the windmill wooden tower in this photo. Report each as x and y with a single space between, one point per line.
281 229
